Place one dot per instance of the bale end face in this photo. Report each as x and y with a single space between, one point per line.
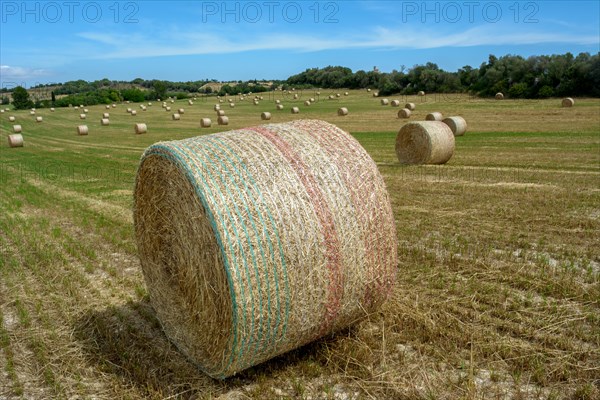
82 130
404 113
457 125
424 142
499 96
410 106
568 102
265 116
140 128
205 123
15 140
343 111
434 116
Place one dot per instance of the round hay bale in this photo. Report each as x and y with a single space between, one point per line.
104 122
220 100
181 111
421 93
1 110
375 94
395 103
307 103
17 129
105 115
410 106
172 101
331 97
280 106
424 142
31 112
223 120
404 113
312 99
82 116
265 116
114 106
51 109
190 102
244 260
277 102
144 108
176 117
457 125
133 112
255 102
295 110
434 116
343 111
140 128
129 110
168 109
85 110
318 93
220 113
76 108
38 119
107 107
568 102
499 96
368 89
205 122
384 102
15 140
12 118
82 130
337 95
346 93
295 95
232 105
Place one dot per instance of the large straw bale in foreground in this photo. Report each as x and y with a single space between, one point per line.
256 241
424 142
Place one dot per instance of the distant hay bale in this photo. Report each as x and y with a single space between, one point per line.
337 95
12 119
85 110
368 89
205 122
404 113
107 107
176 117
343 111
346 93
31 112
2 111
114 106
190 102
127 102
220 100
144 108
140 128
232 105
421 93
257 241
15 140
295 96
82 116
223 120
220 113
410 106
76 108
106 115
499 96
457 125
104 122
318 93
17 129
307 103
265 116
375 94
395 103
168 109
149 104
255 102
280 106
172 101
434 116
331 97
424 142
38 119
312 99
568 102
129 110
82 130
295 110
277 102
51 109
384 102
133 112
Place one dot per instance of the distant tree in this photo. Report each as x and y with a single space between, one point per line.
53 97
160 88
21 99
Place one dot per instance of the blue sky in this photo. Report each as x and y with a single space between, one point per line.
57 41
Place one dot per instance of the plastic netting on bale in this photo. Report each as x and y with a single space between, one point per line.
256 241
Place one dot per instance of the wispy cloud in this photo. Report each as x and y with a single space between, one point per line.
8 73
198 43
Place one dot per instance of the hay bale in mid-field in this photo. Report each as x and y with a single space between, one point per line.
244 260
421 93
223 120
82 130
342 111
168 109
104 122
375 94
12 119
82 116
295 110
404 113
232 105
140 128
216 107
220 113
434 116
395 103
499 96
17 129
107 107
384 102
31 112
181 111
568 102
280 106
307 103
205 123
410 106
424 142
346 93
133 112
52 109
176 117
38 119
265 116
457 125
15 140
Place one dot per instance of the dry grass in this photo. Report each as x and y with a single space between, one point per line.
498 277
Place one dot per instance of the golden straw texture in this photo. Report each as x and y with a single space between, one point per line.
434 116
457 125
568 102
424 142
257 241
15 140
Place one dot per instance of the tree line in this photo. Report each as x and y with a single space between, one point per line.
517 77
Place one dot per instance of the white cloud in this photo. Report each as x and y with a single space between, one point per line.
197 43
8 73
